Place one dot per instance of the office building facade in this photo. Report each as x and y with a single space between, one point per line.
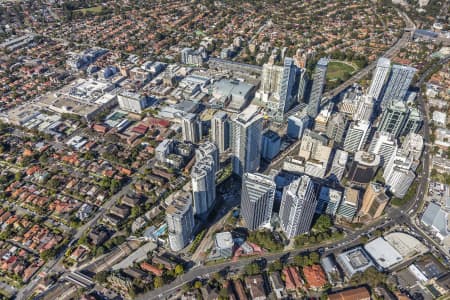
413 122
398 174
379 78
319 78
257 197
357 136
297 124
329 201
349 205
298 205
191 128
363 168
337 127
220 131
383 144
271 143
339 164
365 109
247 130
398 83
374 200
394 117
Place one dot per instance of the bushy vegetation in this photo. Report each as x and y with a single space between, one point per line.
265 239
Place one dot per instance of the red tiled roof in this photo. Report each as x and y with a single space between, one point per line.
314 276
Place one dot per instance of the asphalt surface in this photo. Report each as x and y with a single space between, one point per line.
391 52
394 216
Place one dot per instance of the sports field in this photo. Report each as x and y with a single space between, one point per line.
340 71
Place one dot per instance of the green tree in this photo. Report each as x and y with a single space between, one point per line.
252 269
101 276
198 284
275 266
158 282
314 258
18 176
179 270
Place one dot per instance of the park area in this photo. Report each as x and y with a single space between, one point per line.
94 9
338 72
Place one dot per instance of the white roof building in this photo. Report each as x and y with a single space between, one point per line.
383 253
439 118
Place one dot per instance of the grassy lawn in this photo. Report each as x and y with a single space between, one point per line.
93 9
340 71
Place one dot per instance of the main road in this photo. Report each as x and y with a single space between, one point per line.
55 264
391 52
394 216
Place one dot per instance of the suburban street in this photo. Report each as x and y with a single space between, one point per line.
391 52
130 86
395 216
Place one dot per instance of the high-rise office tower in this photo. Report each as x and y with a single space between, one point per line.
270 81
339 164
191 128
270 146
220 131
365 109
257 196
315 152
413 121
329 200
180 221
206 149
246 141
398 83
394 117
363 168
384 144
379 78
336 127
298 205
357 135
302 83
297 124
319 78
278 86
287 97
374 200
398 174
203 186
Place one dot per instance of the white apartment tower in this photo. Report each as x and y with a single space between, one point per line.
246 130
203 186
298 205
398 174
191 128
379 78
220 131
257 197
180 221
